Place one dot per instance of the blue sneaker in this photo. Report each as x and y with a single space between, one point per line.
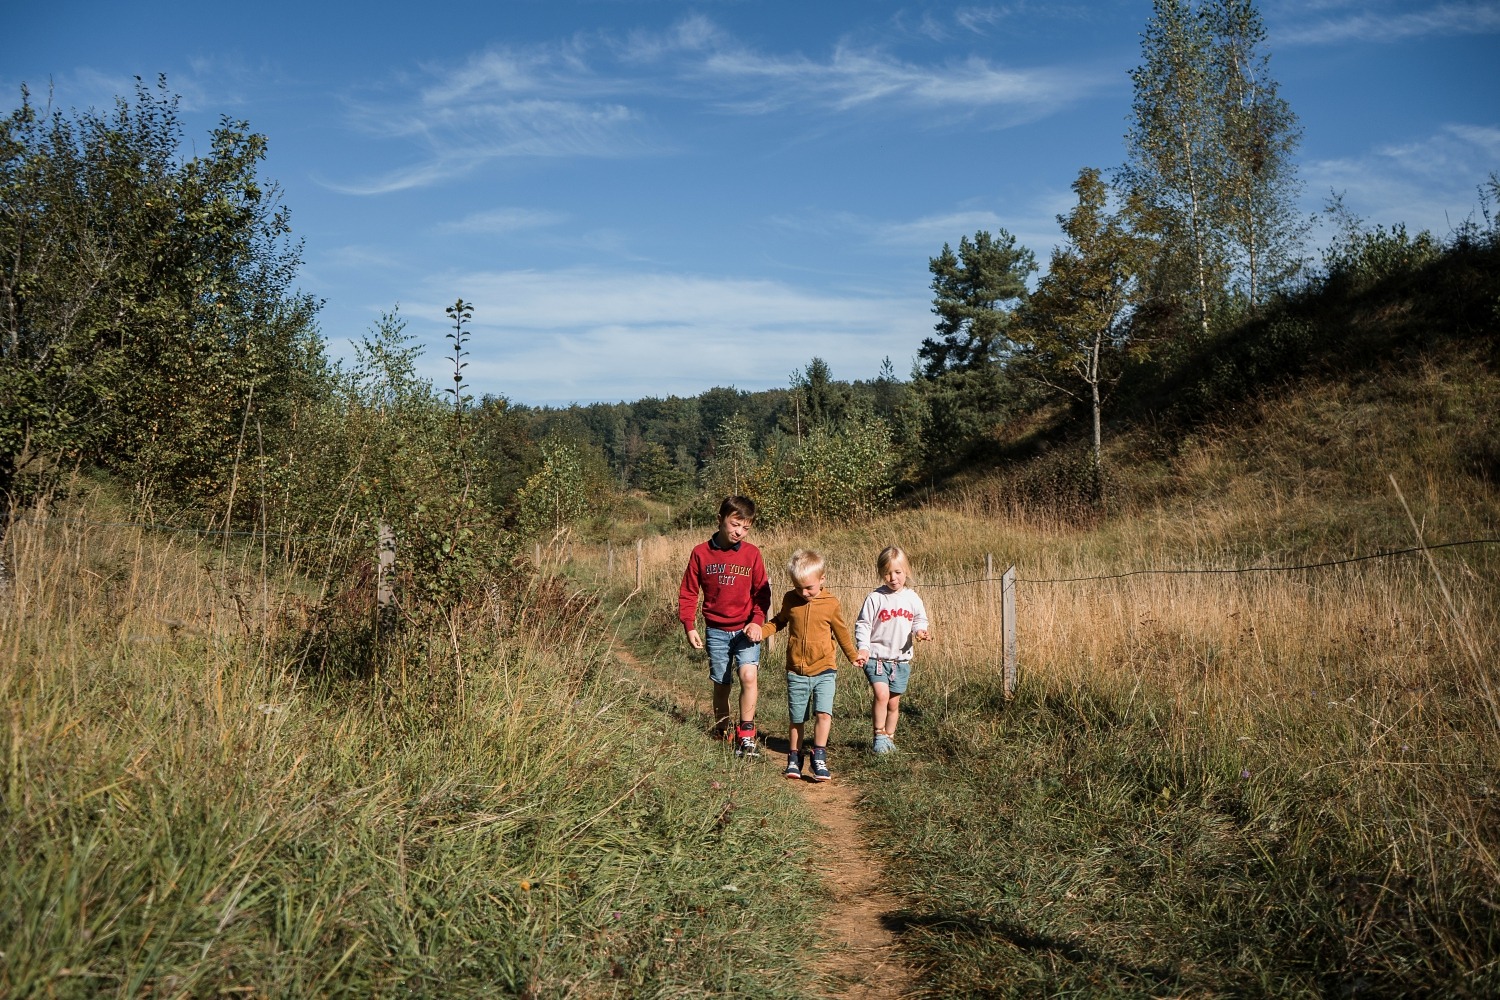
883 744
794 765
820 766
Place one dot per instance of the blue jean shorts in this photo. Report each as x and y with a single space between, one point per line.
805 695
894 674
728 652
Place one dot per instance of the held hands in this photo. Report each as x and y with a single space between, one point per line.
753 631
694 639
924 635
864 654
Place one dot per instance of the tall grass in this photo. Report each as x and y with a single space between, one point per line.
1265 783
190 809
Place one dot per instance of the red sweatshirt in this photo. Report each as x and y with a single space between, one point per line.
736 591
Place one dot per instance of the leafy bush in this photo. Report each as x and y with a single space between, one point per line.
149 317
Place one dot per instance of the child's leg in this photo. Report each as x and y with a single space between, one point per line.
900 677
794 739
880 699
716 642
749 693
821 728
721 708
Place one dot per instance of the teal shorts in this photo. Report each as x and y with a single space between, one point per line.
804 693
892 673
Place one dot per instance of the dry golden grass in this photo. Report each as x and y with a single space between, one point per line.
189 807
1304 760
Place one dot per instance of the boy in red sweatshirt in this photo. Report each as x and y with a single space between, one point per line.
730 574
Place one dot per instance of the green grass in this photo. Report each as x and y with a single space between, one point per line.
1211 786
184 815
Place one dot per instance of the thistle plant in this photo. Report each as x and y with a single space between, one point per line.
460 312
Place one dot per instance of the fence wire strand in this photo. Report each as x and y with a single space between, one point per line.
1180 571
1220 571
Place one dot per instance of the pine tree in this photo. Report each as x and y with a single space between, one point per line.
974 294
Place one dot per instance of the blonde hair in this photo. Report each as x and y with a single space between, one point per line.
889 556
804 564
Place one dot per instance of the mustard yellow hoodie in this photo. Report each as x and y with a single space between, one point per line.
812 627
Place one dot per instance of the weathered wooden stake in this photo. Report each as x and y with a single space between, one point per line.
609 560
536 557
385 571
1008 631
640 568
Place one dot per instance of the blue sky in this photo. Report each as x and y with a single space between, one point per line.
652 197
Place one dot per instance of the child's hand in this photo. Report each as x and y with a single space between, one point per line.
864 654
753 631
923 635
694 639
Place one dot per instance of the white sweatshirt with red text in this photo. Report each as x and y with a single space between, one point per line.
886 623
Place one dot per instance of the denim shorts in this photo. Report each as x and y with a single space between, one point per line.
892 673
728 652
809 693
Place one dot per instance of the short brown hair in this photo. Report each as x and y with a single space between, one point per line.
743 506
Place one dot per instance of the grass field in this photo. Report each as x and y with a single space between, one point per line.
1262 783
190 810
1209 784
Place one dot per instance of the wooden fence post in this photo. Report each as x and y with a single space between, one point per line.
640 570
1008 632
609 560
385 569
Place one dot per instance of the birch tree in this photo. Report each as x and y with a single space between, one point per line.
1256 197
1210 150
1173 145
1077 322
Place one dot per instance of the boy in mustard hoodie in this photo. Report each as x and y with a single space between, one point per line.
814 623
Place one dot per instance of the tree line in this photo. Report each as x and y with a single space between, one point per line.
151 328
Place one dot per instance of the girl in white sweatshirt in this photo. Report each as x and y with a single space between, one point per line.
891 618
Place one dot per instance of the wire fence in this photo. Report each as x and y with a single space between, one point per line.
1125 574
1233 570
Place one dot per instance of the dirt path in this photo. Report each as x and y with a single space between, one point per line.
862 961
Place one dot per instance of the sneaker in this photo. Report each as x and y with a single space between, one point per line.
883 744
794 765
744 743
820 767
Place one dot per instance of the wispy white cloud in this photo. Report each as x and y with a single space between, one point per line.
1363 24
458 138
853 78
1430 183
589 96
500 221
591 334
